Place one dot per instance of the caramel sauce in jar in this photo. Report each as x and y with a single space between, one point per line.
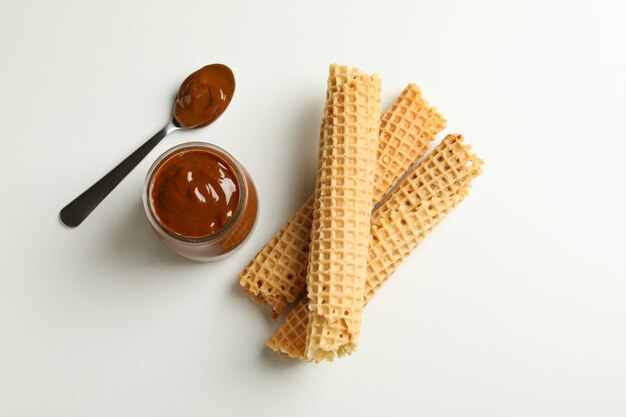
200 201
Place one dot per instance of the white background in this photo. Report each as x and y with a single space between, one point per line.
515 306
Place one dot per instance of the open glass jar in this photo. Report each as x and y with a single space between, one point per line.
200 201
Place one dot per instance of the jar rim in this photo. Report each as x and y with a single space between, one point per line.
226 157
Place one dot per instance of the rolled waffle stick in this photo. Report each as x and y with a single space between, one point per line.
277 274
342 216
393 237
421 200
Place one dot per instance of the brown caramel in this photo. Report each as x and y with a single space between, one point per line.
195 193
204 95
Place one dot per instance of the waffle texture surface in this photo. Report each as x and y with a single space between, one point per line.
276 276
342 214
421 200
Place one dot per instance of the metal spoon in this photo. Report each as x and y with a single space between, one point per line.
75 212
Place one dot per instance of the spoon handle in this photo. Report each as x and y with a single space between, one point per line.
75 212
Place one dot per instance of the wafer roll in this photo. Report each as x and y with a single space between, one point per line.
419 202
342 215
393 237
277 274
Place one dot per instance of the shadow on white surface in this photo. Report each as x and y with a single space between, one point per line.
268 358
304 157
133 243
273 361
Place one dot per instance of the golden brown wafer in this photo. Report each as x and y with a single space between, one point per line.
442 180
342 216
394 236
277 274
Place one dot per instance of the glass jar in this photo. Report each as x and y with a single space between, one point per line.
234 232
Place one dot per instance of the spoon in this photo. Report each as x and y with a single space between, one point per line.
202 97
